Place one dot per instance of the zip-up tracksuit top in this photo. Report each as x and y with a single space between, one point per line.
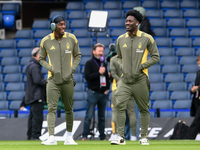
60 55
132 55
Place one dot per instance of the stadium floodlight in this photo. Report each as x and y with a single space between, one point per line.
97 21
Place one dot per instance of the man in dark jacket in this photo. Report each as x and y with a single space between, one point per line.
35 95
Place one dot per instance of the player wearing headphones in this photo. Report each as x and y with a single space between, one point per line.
60 47
132 50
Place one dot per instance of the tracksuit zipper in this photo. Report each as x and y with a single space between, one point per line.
60 62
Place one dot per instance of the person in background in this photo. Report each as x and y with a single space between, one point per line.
145 25
64 55
97 78
132 51
35 95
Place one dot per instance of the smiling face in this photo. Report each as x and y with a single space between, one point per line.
131 24
60 28
98 52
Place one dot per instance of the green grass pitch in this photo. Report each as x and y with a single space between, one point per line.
103 145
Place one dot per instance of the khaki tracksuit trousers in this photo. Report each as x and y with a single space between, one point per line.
66 91
140 92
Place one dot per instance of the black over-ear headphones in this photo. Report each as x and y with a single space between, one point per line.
53 24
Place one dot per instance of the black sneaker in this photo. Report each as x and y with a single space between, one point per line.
118 141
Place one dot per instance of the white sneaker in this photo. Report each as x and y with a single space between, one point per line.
118 141
133 138
70 141
144 141
112 137
50 141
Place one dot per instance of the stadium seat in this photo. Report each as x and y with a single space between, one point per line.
130 4
182 104
193 22
85 42
163 51
15 105
173 13
39 34
11 8
12 69
178 95
86 51
84 60
81 33
158 86
93 5
158 23
24 34
10 44
58 13
79 114
198 52
80 86
152 4
164 60
155 77
161 32
176 22
168 4
191 13
2 85
25 60
79 105
3 95
196 42
171 68
177 86
72 6
154 69
188 4
183 51
15 86
10 61
163 42
8 53
26 43
40 24
194 32
16 95
26 52
38 43
190 68
159 95
80 14
117 32
174 77
14 77
154 13
182 42
188 60
78 77
112 5
181 114
8 21
162 104
3 105
190 77
114 23
78 69
115 14
79 23
105 41
179 32
44 70
1 76
80 95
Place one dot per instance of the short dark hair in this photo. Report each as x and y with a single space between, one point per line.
136 14
98 45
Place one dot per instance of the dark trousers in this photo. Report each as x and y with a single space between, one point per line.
35 120
93 99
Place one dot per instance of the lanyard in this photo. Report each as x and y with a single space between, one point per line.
96 63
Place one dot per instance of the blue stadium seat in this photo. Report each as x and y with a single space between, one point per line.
114 23
154 13
182 114
190 68
79 105
152 4
11 8
188 60
159 86
182 104
80 86
173 13
159 95
58 12
78 77
155 77
161 32
14 77
7 44
2 85
41 24
196 42
188 4
171 68
115 14
105 41
163 51
39 34
130 4
9 21
15 105
193 22
162 104
16 95
167 114
177 86
78 69
191 13
174 77
158 22
168 4
38 43
154 69
182 42
176 22
80 14
117 32
15 86
164 60
86 51
185 51
163 42
3 95
178 95
44 70
79 114
80 95
81 33
10 61
84 60
25 60
194 32
93 6
12 69
190 77
8 52
26 43
85 42
26 52
179 32
79 23
24 34
112 5
72 6
3 105
198 51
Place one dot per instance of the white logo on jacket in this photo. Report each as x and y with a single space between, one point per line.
139 51
67 51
